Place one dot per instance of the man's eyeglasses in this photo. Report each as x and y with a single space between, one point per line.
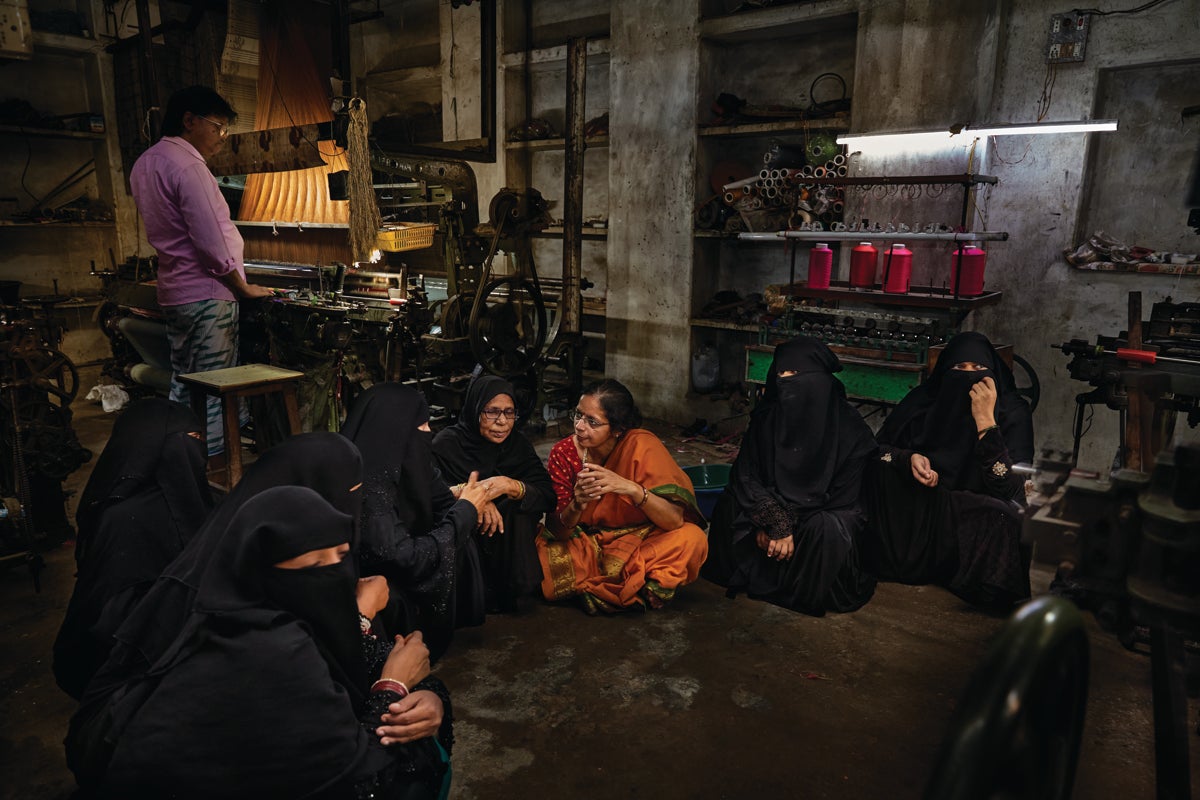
496 413
222 127
577 415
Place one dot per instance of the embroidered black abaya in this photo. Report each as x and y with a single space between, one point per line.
263 691
965 532
509 559
412 530
798 474
143 502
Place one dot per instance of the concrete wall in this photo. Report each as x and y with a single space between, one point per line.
652 145
1046 301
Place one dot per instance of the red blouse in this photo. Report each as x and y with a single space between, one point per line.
564 465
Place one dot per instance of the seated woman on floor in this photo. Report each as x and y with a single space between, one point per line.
266 690
786 529
482 441
413 531
144 501
626 530
943 501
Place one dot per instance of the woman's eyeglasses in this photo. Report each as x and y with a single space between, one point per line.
577 415
496 413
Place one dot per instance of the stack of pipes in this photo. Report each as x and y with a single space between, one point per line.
793 179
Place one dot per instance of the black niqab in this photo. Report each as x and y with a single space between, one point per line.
801 433
935 418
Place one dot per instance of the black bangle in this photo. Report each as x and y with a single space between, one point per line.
989 428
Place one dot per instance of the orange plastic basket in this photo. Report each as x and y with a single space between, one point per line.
399 237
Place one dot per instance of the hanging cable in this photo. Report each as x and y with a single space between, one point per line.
1095 12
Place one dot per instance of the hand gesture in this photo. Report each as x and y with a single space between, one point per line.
983 403
372 595
477 492
923 471
417 716
409 660
491 521
596 481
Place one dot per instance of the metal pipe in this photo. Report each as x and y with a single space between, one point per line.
744 182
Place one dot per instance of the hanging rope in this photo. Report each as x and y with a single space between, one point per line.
364 212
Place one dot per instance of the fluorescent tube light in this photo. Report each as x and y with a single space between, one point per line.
1083 126
964 134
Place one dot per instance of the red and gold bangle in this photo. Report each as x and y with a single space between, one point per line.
645 497
389 685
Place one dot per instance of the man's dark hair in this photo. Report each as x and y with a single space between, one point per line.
201 101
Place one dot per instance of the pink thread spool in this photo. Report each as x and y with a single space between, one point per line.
820 266
864 260
966 271
897 269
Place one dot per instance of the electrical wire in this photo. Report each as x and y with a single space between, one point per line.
1043 104
28 160
1095 12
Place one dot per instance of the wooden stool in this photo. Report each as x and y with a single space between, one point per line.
230 385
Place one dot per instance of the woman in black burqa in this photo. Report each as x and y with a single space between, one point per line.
484 441
786 529
264 690
143 502
943 500
412 529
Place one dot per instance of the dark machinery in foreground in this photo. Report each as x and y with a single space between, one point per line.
1129 550
40 449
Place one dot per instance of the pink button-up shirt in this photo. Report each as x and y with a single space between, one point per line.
188 223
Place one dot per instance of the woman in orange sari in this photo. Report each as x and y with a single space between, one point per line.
626 529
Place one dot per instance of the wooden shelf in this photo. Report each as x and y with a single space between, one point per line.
723 325
838 122
790 19
50 133
554 57
918 297
556 232
59 44
58 224
594 143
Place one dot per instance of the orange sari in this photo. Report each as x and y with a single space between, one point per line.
616 554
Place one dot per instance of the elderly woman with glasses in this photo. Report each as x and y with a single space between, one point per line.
484 441
626 529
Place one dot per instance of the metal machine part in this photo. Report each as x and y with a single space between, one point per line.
1128 549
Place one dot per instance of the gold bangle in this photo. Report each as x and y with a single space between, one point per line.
521 487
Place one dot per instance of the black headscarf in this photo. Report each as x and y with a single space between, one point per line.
935 419
149 450
143 502
323 462
397 463
461 449
261 657
801 433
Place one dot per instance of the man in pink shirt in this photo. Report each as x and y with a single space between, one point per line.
200 271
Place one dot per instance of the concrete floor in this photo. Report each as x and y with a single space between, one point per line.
711 698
